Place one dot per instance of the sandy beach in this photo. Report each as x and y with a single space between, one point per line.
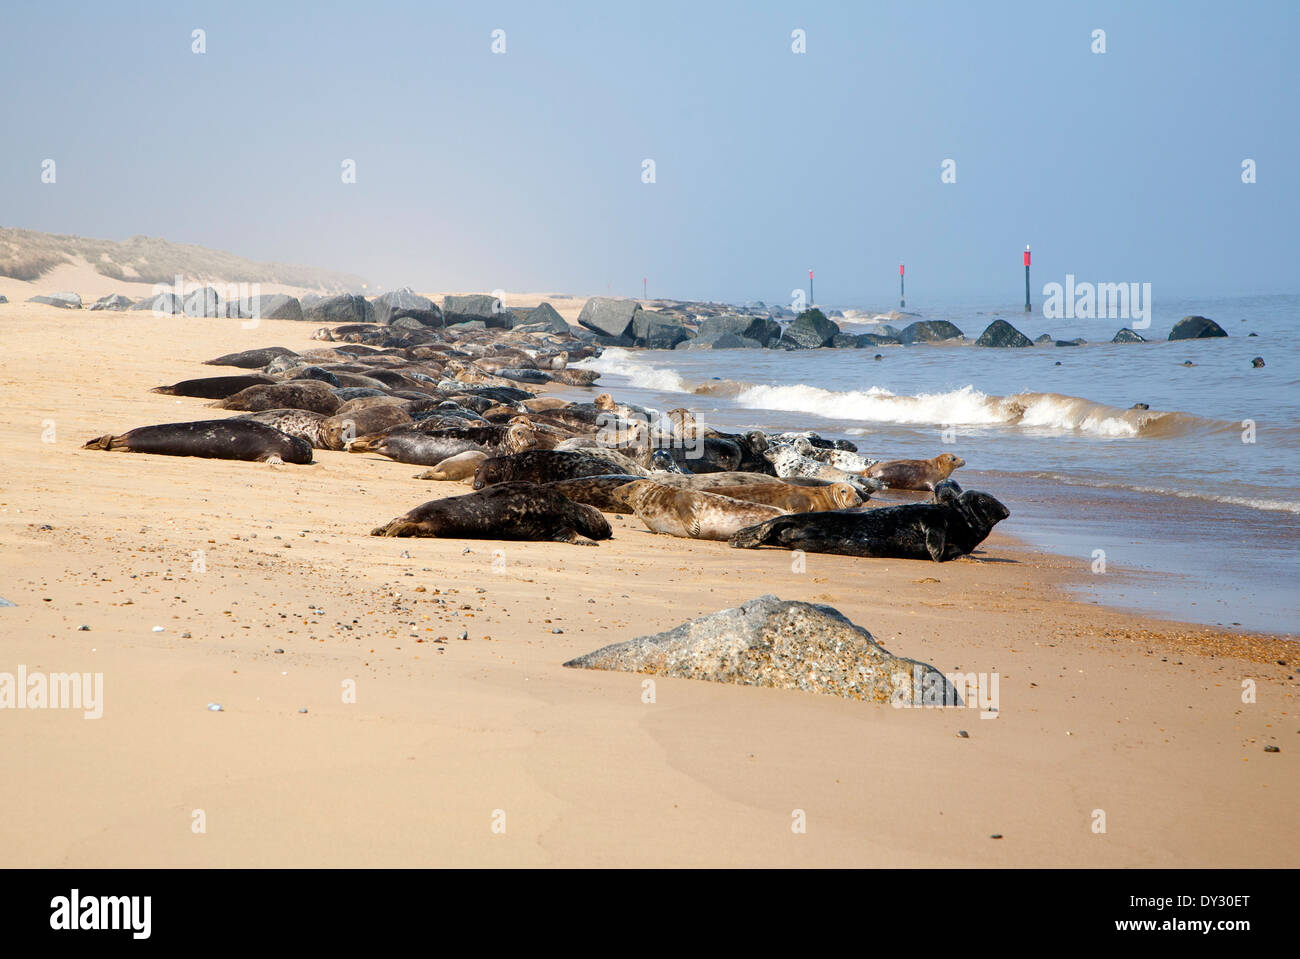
273 599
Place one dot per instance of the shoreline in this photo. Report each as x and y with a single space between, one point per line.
1134 714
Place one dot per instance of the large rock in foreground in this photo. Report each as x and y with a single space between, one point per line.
929 331
608 316
781 644
1195 328
1000 333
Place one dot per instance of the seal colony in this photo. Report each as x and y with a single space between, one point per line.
463 401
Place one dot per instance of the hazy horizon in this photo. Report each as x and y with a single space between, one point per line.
523 170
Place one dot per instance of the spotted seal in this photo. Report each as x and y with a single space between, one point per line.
916 474
690 513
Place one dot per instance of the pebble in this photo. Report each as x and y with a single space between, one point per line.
158 629
278 650
302 710
215 708
995 835
1272 749
185 635
83 629
963 734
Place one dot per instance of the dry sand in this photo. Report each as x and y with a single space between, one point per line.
1099 710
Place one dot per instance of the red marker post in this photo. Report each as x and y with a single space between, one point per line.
811 299
1028 308
902 301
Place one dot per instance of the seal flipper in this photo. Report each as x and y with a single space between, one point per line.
935 542
99 443
570 535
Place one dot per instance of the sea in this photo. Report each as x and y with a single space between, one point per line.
1188 509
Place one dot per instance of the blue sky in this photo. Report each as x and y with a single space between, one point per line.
523 170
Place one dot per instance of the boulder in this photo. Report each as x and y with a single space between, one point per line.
734 341
858 341
163 304
782 645
1043 338
471 307
1128 336
266 306
608 316
546 315
344 308
759 328
809 331
64 301
405 303
929 331
114 301
1195 328
657 331
205 302
1077 341
1000 333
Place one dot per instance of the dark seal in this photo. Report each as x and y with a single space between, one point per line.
506 511
232 439
951 526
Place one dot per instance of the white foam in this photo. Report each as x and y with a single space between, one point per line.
639 374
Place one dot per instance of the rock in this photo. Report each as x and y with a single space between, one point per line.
114 301
163 304
1128 336
1195 328
404 303
1002 334
545 314
266 306
760 328
1044 338
734 341
1257 362
1077 341
657 331
860 341
64 301
929 331
471 307
779 644
608 316
205 302
1272 749
3 298
809 331
344 308
1140 406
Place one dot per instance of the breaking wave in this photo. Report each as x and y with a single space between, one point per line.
968 407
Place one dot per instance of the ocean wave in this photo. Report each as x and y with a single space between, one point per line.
1250 502
625 363
965 407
